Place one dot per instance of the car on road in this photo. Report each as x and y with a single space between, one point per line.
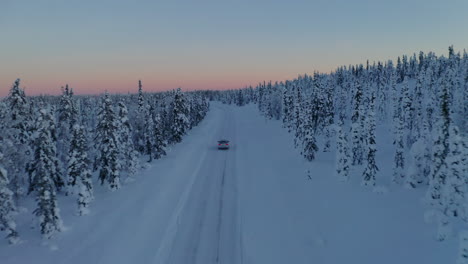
223 144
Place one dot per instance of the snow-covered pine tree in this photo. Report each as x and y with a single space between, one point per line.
149 133
42 179
197 112
440 150
315 104
160 142
395 109
141 99
371 167
67 115
341 109
267 101
328 116
260 97
309 143
108 161
431 100
139 121
45 120
298 117
464 121
407 112
357 137
399 158
166 120
417 106
79 174
192 111
7 207
275 103
343 161
240 98
180 112
287 107
18 152
399 71
382 92
127 148
421 159
454 191
405 66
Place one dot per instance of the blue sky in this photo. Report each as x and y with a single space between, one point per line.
109 45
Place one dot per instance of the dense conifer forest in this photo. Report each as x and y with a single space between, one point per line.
63 145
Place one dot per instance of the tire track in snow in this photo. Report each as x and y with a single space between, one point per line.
229 225
220 210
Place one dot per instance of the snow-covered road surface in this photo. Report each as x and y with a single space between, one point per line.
207 229
250 204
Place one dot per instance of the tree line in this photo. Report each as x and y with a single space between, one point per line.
418 105
62 145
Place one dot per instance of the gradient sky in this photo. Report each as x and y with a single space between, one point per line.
206 44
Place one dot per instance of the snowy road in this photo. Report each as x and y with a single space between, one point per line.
250 204
182 209
207 228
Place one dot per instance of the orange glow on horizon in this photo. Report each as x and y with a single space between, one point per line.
152 82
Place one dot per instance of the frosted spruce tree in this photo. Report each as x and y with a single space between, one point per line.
421 159
127 148
328 116
79 173
160 142
407 112
437 191
275 104
139 121
431 98
399 158
357 137
45 122
192 111
395 110
240 98
42 175
417 107
287 107
17 136
343 161
341 104
180 113
371 167
166 120
108 162
440 150
298 117
197 110
382 92
149 133
66 118
309 143
7 207
454 192
314 107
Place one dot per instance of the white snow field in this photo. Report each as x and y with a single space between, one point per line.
253 203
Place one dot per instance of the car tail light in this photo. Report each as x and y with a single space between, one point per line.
219 144
227 144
